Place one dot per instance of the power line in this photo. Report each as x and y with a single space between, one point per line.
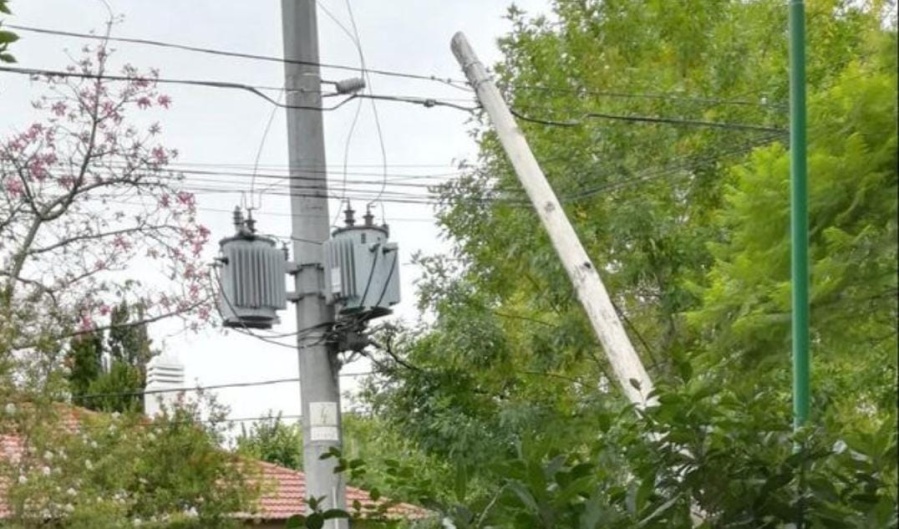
637 95
426 102
394 177
187 82
224 53
268 125
257 383
437 199
268 213
455 83
374 107
646 119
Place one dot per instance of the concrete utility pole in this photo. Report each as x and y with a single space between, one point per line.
626 364
319 387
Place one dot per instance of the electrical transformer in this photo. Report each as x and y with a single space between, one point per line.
252 279
361 270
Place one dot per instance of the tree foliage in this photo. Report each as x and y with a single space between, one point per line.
274 441
6 37
110 375
686 218
79 469
90 216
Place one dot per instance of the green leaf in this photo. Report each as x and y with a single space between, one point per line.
659 511
335 513
315 521
524 495
296 521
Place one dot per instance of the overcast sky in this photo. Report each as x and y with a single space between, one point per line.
221 130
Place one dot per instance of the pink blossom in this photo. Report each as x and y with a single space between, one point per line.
164 101
159 155
144 102
187 199
164 201
67 181
104 309
120 243
155 129
86 322
14 188
37 169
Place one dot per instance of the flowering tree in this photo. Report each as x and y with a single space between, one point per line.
77 469
89 211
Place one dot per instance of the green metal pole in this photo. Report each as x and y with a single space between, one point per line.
799 215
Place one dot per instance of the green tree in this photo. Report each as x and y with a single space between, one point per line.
84 470
85 363
114 384
853 248
274 441
685 218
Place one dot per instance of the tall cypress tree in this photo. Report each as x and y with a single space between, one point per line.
114 387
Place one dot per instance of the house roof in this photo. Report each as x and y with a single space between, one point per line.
283 491
287 496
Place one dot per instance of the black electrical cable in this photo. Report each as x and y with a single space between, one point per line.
646 119
188 82
396 258
198 49
257 383
371 275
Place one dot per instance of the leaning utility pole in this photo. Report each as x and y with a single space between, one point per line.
626 364
319 388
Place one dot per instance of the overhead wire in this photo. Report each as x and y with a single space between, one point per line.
224 53
517 197
358 111
645 119
268 126
210 387
437 199
161 80
638 95
269 213
454 83
374 107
